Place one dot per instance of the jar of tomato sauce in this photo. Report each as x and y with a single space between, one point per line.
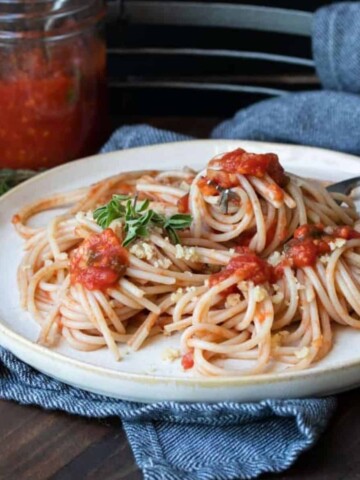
52 81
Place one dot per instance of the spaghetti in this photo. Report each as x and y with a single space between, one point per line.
252 265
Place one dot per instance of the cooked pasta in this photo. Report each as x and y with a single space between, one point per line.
249 265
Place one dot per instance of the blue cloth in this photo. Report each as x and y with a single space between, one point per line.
173 441
336 44
324 119
226 441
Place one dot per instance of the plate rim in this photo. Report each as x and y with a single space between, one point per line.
230 381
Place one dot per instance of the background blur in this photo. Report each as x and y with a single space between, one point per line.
163 70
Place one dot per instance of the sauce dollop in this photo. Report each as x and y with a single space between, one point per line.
247 266
257 164
187 360
183 204
309 242
99 262
206 186
346 232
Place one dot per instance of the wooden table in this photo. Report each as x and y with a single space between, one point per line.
37 445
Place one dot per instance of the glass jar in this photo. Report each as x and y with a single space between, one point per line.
52 81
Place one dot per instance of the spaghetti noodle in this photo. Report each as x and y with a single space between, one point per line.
252 265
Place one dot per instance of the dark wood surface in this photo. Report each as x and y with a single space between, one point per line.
37 444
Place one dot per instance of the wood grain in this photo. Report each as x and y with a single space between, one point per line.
39 445
36 444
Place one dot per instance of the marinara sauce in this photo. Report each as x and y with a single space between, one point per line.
52 83
310 242
247 266
99 262
223 171
346 232
187 360
183 204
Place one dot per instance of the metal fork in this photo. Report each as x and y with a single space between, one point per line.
345 186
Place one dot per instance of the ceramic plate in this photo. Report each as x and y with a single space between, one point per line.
144 375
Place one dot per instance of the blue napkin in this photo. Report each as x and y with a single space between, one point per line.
224 441
174 441
336 43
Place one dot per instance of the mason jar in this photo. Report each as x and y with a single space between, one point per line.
52 81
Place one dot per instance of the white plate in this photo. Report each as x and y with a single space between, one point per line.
144 376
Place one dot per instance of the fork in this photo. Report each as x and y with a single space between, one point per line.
345 186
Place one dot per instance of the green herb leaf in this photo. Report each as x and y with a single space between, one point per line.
178 221
139 219
173 236
4 186
105 215
9 178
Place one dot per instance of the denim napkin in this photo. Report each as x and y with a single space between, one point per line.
223 441
178 441
336 46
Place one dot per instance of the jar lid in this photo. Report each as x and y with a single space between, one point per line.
53 19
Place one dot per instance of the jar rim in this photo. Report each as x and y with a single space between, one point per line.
35 25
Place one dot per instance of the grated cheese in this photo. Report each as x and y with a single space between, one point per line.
338 243
277 298
170 354
324 259
191 289
243 286
274 259
186 253
175 297
302 353
162 263
143 250
232 300
116 226
260 293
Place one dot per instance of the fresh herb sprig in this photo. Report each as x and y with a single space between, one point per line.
139 219
111 211
9 178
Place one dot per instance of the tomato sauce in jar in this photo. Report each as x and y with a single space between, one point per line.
53 88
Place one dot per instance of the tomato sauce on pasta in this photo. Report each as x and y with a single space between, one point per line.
249 265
